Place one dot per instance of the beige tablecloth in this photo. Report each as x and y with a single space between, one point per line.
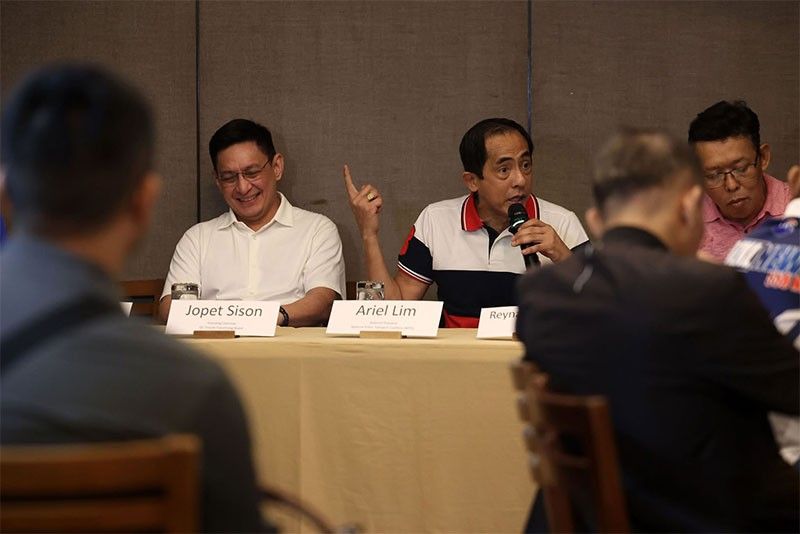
411 435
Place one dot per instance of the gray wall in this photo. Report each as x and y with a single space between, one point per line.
598 65
390 87
150 43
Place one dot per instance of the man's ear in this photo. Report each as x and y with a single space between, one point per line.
471 181
595 222
765 155
144 199
691 205
278 166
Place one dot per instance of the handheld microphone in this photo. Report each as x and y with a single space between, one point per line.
517 214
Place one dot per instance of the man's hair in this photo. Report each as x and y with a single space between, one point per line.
723 120
636 160
240 131
76 143
473 144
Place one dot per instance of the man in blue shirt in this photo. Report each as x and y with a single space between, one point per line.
77 150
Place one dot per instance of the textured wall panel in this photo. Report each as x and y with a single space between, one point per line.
389 87
152 44
597 65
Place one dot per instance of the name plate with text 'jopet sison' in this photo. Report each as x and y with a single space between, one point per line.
245 317
413 318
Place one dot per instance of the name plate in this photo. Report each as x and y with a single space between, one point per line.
497 323
413 318
126 307
245 317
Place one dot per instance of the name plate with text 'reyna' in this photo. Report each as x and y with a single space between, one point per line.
245 317
413 318
497 323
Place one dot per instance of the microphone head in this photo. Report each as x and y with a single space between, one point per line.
517 214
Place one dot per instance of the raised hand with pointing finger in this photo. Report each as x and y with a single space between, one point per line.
366 203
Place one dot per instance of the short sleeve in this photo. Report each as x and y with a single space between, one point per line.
325 265
185 264
572 232
415 258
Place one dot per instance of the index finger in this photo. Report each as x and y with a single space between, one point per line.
352 190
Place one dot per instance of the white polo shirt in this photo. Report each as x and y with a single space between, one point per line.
449 245
295 252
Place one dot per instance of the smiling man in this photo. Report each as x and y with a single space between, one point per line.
464 244
739 193
262 248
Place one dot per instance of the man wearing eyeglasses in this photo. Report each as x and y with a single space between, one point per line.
739 193
262 248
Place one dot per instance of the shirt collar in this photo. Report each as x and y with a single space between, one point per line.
632 235
283 216
471 221
773 203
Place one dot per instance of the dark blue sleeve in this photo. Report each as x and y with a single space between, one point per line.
415 259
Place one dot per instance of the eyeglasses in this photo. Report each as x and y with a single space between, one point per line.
251 175
741 174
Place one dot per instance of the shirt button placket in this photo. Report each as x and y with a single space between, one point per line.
252 274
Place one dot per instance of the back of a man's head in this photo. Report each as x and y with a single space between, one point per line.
650 180
639 160
76 144
723 120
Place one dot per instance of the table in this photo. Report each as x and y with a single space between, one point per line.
404 435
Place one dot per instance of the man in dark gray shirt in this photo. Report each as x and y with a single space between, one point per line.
77 150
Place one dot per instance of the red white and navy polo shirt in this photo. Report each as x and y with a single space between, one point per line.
449 245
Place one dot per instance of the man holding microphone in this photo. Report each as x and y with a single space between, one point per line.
465 244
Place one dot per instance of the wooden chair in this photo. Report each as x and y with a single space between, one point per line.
573 455
134 486
144 294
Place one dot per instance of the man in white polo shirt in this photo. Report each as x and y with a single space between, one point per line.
464 244
262 248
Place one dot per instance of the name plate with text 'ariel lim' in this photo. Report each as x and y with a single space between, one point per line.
413 318
497 323
245 317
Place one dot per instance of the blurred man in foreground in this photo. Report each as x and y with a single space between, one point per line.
683 350
739 192
77 152
465 244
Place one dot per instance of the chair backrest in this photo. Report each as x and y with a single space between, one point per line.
573 455
149 485
144 294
